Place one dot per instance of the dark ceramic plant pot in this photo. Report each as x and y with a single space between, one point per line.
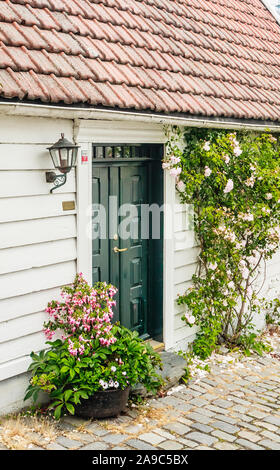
103 404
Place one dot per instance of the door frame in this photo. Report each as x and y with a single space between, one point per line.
85 133
153 304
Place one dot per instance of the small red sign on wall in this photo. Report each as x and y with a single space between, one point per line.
84 158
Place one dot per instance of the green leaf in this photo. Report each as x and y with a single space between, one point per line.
29 394
68 394
70 408
57 412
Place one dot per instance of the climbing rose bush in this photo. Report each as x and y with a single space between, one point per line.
232 180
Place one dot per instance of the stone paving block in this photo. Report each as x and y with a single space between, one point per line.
224 436
217 409
229 428
178 428
240 401
33 447
82 437
210 396
238 393
203 448
74 421
272 420
225 446
139 445
200 418
271 435
189 394
165 434
249 426
123 447
171 445
134 428
173 401
239 409
272 394
97 430
270 444
202 427
187 443
198 402
227 419
55 446
68 443
222 403
185 421
201 438
96 446
241 417
184 407
205 412
209 382
268 426
256 414
250 436
114 438
261 405
197 388
248 445
151 438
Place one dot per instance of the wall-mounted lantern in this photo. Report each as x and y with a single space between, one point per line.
64 157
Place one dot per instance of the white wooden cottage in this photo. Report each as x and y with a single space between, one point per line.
111 75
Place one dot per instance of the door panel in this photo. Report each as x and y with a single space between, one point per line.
134 270
100 241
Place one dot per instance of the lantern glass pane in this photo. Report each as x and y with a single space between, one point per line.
63 158
74 156
55 157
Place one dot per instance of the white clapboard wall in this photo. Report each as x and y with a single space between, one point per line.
185 253
37 238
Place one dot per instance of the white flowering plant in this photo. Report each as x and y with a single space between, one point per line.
92 352
232 181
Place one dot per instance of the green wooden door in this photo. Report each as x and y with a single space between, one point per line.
120 253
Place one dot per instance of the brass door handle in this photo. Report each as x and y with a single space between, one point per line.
118 250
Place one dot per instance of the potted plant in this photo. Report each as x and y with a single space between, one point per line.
90 369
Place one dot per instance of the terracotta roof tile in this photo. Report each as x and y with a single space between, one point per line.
202 57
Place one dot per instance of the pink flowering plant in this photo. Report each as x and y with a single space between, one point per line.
232 181
92 353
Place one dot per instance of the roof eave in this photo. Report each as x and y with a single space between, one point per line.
68 112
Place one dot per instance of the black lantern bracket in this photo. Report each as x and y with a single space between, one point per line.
57 180
64 157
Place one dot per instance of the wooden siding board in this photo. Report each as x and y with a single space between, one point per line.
36 279
37 255
21 346
34 207
30 183
15 307
37 231
27 325
31 130
25 157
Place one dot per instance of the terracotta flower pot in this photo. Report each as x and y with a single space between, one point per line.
103 404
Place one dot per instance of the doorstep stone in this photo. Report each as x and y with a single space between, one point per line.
172 373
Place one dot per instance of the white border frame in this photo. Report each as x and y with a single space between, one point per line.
87 132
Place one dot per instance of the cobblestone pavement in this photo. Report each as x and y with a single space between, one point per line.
235 406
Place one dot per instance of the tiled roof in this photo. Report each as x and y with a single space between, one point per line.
215 58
